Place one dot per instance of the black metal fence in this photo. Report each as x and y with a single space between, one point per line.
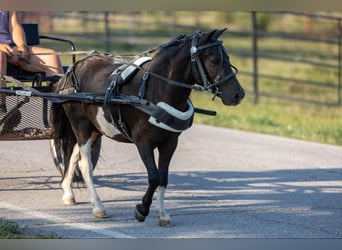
287 55
318 52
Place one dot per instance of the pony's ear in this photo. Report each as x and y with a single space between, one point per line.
219 32
214 34
209 35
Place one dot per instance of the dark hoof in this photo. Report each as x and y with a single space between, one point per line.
138 216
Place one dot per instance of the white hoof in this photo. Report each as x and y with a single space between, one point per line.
98 213
164 221
69 201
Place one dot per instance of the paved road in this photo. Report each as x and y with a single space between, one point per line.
223 184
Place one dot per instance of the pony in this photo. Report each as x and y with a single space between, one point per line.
145 102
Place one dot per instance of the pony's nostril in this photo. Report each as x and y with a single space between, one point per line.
237 96
240 95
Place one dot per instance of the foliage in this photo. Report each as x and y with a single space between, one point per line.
137 32
8 229
11 230
278 117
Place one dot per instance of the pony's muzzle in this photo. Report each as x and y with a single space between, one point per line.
239 96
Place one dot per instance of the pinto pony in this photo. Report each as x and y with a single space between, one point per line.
146 102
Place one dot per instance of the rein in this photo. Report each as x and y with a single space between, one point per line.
167 80
194 53
197 66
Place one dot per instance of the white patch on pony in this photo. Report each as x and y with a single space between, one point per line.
86 167
68 196
107 128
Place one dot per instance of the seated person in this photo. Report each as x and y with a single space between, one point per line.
13 50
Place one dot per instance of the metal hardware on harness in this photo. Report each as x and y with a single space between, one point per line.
143 84
193 51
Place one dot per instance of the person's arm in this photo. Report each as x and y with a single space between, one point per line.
18 34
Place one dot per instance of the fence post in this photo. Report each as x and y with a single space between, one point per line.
107 32
255 56
339 61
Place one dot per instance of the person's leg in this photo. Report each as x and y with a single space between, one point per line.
43 59
3 71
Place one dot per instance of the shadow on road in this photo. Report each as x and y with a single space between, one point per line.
302 189
306 200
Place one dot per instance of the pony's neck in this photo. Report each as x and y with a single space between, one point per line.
175 65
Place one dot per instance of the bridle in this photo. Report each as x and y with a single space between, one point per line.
199 70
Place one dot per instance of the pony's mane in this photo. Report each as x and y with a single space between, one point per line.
169 48
176 41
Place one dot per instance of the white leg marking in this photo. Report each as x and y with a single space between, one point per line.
86 168
163 216
68 196
107 128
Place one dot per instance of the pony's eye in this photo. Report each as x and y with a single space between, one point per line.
215 60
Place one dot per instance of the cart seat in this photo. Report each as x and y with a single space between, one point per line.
36 78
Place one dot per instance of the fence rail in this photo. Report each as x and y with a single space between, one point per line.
256 54
322 66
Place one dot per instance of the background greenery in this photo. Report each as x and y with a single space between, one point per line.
131 33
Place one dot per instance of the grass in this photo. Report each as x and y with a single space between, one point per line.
11 230
277 117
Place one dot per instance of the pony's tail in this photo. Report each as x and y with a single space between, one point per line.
63 141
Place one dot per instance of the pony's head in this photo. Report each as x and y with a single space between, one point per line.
212 69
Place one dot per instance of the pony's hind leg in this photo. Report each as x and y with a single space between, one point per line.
86 168
68 196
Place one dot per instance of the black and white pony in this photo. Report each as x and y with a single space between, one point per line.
145 102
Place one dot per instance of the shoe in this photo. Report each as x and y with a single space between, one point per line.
3 109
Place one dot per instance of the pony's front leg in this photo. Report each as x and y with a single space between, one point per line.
164 218
86 167
147 155
166 151
68 196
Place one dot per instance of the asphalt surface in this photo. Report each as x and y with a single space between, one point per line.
222 184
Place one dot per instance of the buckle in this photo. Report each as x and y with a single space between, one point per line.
193 51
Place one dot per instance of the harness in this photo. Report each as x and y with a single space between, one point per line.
162 115
123 74
198 68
